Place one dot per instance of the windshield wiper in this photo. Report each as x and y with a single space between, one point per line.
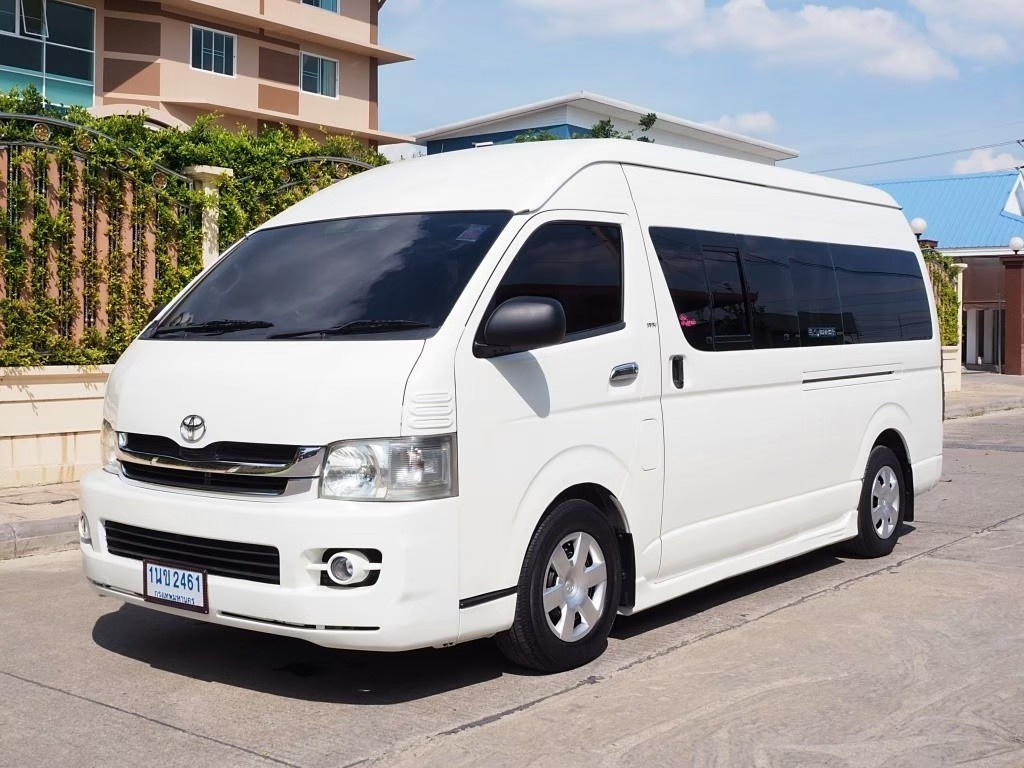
213 327
354 328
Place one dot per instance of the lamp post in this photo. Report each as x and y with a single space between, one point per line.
919 226
1017 245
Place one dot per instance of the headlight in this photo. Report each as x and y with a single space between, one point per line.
403 469
109 442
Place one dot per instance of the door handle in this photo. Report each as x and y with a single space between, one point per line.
625 373
678 371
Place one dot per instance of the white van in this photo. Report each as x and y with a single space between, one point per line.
515 392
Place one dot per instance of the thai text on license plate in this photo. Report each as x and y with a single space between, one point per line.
175 586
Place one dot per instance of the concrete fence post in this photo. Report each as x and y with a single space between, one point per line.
209 178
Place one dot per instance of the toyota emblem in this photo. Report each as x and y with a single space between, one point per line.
193 428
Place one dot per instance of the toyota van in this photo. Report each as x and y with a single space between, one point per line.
516 392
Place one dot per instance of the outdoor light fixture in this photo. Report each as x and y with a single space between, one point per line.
919 227
1017 245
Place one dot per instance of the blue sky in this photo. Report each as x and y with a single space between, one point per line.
845 82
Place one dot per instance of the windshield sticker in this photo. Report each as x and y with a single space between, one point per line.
472 233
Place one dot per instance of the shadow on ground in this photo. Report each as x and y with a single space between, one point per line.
296 669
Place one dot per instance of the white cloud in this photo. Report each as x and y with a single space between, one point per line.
877 40
982 160
761 123
981 29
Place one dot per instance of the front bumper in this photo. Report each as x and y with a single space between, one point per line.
414 603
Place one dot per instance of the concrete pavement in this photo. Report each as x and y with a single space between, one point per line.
37 520
917 660
983 393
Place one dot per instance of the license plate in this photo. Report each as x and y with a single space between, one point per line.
172 585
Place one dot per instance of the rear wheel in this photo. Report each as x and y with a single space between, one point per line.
568 591
883 500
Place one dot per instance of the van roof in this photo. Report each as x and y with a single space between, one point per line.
522 177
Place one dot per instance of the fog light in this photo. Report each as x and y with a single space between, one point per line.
348 568
83 529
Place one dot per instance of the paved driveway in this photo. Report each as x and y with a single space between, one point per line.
913 661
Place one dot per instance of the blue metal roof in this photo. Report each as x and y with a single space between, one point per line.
962 211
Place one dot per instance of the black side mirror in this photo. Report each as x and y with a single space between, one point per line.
154 312
522 324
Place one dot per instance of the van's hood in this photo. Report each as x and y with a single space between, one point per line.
282 392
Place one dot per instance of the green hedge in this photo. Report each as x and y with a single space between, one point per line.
33 324
947 299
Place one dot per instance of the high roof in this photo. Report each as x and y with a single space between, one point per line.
522 177
615 109
981 210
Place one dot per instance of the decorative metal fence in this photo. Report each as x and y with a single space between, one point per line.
91 235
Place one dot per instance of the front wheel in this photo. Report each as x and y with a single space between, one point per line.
883 500
568 591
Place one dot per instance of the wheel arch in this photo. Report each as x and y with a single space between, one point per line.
889 426
895 442
612 509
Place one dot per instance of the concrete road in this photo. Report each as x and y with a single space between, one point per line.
917 660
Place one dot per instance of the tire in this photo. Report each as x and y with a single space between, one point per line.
883 502
544 640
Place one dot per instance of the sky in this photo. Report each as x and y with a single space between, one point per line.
845 82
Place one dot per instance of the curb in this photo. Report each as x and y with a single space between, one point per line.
967 410
38 537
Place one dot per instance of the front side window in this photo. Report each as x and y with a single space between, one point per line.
332 279
213 51
576 263
327 5
319 75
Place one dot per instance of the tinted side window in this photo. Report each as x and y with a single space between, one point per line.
883 294
683 266
579 265
817 294
729 317
770 291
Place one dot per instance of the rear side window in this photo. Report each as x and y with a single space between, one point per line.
729 305
883 294
743 292
576 263
683 266
816 293
773 312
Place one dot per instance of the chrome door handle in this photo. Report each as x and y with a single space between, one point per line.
623 374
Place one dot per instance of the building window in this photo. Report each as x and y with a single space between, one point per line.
213 51
327 5
51 47
319 75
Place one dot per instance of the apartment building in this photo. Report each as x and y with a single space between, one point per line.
308 64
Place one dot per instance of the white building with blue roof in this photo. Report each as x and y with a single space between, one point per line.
973 218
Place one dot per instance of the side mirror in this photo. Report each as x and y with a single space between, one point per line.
522 324
154 312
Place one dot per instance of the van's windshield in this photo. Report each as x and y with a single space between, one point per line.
399 273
